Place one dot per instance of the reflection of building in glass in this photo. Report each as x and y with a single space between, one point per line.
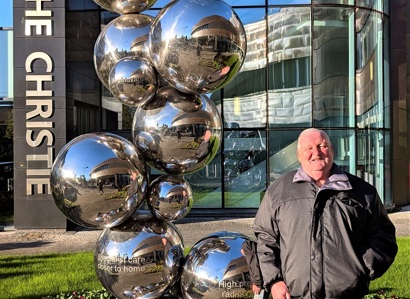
213 31
151 249
236 270
113 171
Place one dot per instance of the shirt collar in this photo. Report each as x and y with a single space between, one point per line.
337 180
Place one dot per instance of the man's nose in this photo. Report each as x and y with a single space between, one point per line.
316 150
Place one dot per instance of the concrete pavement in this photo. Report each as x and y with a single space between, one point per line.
30 242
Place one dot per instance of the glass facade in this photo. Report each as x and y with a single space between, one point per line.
312 63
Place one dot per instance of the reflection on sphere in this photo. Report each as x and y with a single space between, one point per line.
125 6
177 132
141 258
197 46
215 268
133 81
98 180
170 197
125 36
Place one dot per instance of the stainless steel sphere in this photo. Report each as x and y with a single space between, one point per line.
125 6
216 269
99 180
198 46
133 81
125 36
140 258
170 197
177 132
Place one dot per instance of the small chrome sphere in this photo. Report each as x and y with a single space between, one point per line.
125 36
99 180
215 268
170 197
125 6
197 46
133 81
177 132
140 258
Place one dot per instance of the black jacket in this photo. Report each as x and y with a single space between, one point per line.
326 242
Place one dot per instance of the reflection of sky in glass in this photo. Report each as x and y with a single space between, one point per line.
249 16
289 2
245 2
83 156
218 262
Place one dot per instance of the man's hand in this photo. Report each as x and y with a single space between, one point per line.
255 289
280 291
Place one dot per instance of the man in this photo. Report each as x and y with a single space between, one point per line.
321 232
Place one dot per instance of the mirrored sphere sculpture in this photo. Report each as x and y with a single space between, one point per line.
215 268
125 36
99 180
197 46
177 132
125 6
140 258
170 197
133 81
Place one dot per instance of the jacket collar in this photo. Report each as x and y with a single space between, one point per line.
337 180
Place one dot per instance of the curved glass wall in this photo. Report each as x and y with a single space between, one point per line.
319 63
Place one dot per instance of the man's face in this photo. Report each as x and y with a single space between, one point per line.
315 154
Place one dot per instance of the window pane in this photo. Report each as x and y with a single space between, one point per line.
245 2
245 97
386 80
244 168
373 4
342 2
206 185
344 145
373 163
288 2
333 67
81 5
369 74
289 80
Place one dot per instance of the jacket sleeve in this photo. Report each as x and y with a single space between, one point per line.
380 247
249 249
267 235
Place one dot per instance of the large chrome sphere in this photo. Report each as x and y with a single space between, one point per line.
170 197
216 269
177 132
141 258
99 180
125 36
133 81
197 46
125 6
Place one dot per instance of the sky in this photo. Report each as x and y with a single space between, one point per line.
6 13
6 20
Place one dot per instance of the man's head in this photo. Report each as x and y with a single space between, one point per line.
315 153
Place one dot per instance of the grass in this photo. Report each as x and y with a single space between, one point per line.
31 277
397 279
